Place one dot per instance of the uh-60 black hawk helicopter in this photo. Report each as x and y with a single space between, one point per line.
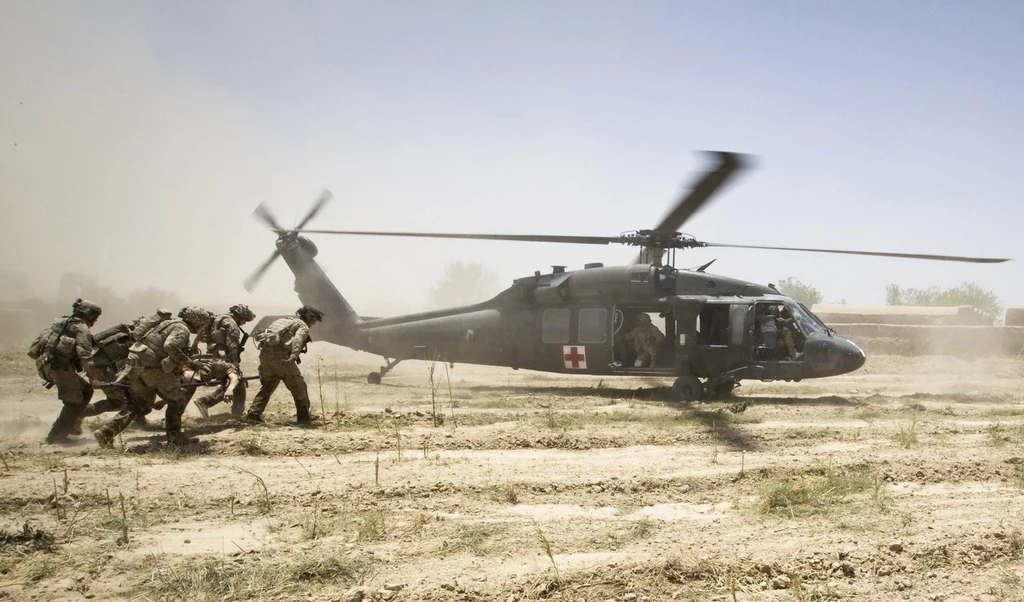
715 328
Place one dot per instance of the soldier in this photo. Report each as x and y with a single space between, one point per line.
227 375
280 346
225 341
646 341
62 350
109 355
157 362
785 326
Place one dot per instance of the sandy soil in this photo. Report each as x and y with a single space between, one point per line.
904 480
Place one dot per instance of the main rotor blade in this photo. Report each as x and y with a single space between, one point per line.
250 282
264 214
325 196
690 203
579 240
870 253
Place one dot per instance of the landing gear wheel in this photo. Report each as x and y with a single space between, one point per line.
373 378
687 389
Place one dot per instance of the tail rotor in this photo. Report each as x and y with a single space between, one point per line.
285 237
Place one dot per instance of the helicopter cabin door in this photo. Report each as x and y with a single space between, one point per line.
718 337
577 339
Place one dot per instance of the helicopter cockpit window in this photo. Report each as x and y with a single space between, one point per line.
805 320
593 325
555 328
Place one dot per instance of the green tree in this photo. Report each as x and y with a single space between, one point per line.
798 291
969 293
463 283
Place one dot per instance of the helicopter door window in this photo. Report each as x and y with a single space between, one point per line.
766 335
737 323
593 326
555 327
713 325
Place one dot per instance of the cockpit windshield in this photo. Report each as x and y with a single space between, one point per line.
807 322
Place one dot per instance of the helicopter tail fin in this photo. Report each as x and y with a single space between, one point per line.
316 289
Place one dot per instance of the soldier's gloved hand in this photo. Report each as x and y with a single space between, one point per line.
94 383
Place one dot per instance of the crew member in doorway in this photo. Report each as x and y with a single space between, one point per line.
645 340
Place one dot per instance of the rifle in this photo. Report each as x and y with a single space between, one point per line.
214 383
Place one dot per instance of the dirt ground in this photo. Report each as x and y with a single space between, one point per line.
904 480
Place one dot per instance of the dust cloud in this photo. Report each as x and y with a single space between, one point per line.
125 176
115 173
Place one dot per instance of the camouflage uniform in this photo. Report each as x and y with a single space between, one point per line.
646 341
60 351
157 363
224 341
218 370
280 347
785 326
110 354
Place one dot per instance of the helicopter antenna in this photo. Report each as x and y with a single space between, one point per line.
706 265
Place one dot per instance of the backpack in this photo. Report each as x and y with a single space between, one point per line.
53 340
266 338
146 324
113 342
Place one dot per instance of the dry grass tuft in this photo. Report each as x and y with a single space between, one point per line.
252 577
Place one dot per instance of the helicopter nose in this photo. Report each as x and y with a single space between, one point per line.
853 357
829 356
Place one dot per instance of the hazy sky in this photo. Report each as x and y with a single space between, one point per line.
137 137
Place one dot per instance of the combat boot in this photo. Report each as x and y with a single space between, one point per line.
252 418
179 440
104 438
306 419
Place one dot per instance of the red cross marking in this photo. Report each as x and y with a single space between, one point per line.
575 357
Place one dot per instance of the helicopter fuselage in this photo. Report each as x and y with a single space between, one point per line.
577 321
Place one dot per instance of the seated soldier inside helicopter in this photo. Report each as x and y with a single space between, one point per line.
646 341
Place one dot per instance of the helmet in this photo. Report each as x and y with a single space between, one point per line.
195 316
310 313
86 309
644 318
242 312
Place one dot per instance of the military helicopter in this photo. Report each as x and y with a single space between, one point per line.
715 328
